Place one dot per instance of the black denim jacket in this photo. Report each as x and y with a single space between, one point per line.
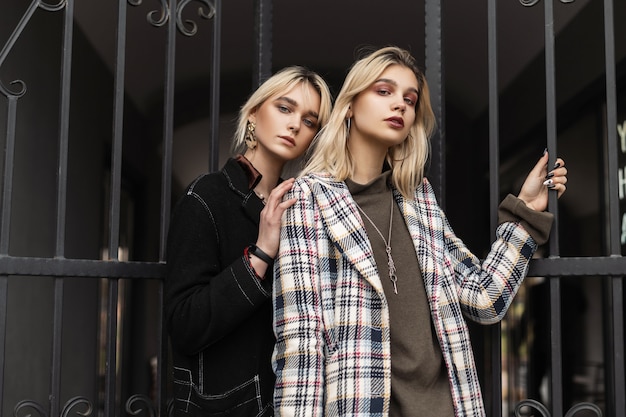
219 314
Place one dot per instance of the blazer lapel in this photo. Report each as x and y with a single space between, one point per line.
347 231
418 220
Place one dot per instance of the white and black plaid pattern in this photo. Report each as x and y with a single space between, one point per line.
332 356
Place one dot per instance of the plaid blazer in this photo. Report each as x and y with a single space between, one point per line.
333 355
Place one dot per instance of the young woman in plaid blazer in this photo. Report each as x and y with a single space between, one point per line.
372 287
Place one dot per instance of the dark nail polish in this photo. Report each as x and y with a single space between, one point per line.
558 164
551 186
550 175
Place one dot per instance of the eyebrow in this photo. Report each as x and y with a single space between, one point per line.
295 104
390 81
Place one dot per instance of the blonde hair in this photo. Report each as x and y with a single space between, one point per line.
284 80
329 151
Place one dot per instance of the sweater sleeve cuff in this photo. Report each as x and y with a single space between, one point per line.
537 224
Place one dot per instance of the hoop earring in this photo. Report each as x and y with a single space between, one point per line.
348 123
250 138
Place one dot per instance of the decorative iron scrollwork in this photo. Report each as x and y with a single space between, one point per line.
584 407
187 27
51 7
522 405
526 404
8 93
28 404
72 402
155 17
530 3
35 4
139 398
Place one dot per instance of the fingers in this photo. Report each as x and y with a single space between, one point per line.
269 225
540 168
275 199
557 178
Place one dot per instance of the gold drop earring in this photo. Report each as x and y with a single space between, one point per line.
250 137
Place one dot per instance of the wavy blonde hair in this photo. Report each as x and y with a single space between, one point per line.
284 80
329 151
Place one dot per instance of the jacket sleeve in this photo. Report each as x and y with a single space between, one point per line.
205 300
298 359
486 288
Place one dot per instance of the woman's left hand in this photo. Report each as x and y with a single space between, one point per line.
540 182
269 225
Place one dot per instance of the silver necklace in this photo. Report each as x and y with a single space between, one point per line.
392 266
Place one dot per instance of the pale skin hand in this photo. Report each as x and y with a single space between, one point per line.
534 193
269 224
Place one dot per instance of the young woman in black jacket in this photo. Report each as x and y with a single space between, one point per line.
222 240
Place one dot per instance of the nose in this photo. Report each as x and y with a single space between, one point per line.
294 124
400 105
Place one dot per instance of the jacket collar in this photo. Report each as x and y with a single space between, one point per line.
347 230
238 180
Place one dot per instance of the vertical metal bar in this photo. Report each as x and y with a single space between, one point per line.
495 331
111 349
168 124
118 132
57 339
110 389
611 121
162 348
614 369
494 149
7 193
64 115
263 42
166 191
66 77
4 288
434 74
215 90
556 387
166 186
7 189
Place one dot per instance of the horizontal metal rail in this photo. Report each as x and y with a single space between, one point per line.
12 265
56 267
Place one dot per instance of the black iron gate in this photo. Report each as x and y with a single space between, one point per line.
55 271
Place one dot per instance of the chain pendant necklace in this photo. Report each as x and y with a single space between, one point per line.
392 266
